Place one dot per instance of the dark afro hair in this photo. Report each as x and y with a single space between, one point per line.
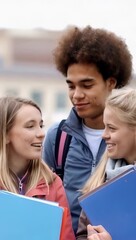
103 48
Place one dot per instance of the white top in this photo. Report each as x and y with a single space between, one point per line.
93 137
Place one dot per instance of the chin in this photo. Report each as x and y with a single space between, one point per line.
82 114
111 155
37 157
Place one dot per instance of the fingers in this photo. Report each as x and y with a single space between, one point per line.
90 230
97 233
103 231
99 228
93 237
92 234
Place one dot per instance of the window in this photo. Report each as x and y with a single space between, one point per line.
37 97
11 92
60 101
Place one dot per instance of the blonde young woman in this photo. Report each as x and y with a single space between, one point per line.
21 169
120 136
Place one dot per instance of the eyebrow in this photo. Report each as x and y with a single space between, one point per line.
82 80
33 121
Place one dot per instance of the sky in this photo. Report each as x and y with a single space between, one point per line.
118 16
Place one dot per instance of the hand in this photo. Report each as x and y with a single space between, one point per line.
97 233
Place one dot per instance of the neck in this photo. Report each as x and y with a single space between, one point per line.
94 123
131 161
19 169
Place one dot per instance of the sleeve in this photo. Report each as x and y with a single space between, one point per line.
82 227
48 153
62 200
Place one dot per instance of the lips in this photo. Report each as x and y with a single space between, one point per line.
81 105
36 145
110 145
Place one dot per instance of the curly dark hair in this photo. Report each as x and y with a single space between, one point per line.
103 48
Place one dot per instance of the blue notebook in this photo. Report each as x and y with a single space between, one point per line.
24 218
113 206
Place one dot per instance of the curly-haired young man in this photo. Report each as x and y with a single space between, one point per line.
94 61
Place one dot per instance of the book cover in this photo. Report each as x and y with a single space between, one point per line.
113 206
26 218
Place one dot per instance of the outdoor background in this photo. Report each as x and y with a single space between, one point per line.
29 31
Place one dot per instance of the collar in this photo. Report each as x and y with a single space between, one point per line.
114 167
41 190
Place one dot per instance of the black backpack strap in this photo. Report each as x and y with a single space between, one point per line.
61 149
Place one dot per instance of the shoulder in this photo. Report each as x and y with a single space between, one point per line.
53 128
56 190
51 133
57 181
57 185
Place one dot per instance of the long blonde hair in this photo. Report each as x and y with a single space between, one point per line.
9 107
123 102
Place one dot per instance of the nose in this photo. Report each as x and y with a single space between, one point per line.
40 133
78 93
105 135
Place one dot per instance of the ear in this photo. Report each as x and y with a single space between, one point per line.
111 83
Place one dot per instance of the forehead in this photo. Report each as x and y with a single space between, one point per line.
82 71
27 111
110 116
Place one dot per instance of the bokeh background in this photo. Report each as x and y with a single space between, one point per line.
29 31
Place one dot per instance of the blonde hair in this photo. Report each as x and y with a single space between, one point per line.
9 107
123 102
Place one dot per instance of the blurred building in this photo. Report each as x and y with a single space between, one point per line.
27 70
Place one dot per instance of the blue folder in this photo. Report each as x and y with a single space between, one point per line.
113 205
23 218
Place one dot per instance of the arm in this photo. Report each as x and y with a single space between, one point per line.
98 233
82 227
57 194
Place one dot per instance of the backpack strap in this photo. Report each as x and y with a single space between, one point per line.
61 149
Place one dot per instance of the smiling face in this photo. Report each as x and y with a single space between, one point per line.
88 92
119 136
24 139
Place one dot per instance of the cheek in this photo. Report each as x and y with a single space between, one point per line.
98 101
125 139
70 94
95 101
130 139
22 138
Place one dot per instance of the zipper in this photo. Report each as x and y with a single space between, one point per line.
20 186
93 166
